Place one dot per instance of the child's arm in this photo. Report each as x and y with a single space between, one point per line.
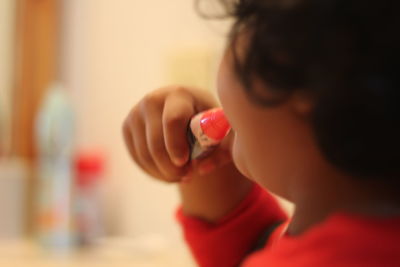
155 134
234 238
212 196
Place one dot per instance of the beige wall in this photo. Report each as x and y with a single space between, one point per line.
113 53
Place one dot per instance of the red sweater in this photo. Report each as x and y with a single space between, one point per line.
341 240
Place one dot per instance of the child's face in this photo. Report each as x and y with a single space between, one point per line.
272 145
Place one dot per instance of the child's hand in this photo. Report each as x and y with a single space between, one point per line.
155 133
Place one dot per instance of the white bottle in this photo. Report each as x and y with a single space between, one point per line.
55 143
89 172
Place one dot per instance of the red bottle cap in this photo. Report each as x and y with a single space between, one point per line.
214 124
89 167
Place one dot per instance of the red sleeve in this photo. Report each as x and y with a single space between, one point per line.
227 242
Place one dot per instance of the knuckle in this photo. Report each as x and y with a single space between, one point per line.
135 117
150 99
126 123
125 127
145 103
131 118
180 90
183 92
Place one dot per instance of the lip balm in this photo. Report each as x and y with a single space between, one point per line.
206 131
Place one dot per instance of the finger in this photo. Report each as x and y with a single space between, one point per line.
204 99
156 145
129 141
131 148
178 110
140 148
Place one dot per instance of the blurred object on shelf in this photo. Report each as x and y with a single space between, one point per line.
88 213
28 64
13 182
55 145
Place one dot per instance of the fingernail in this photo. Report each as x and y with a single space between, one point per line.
206 168
180 161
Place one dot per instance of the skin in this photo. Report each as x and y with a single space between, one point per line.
275 147
272 146
155 135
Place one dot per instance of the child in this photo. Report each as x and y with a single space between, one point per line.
311 90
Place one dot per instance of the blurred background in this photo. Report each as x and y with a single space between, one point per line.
70 70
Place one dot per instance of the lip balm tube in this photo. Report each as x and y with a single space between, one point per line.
206 131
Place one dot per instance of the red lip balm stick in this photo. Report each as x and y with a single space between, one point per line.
206 131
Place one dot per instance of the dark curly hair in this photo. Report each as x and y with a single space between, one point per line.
343 53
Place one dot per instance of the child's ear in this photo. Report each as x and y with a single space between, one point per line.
302 103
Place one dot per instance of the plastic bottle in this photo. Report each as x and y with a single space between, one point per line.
88 214
55 146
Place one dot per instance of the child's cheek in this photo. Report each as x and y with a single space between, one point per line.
239 158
